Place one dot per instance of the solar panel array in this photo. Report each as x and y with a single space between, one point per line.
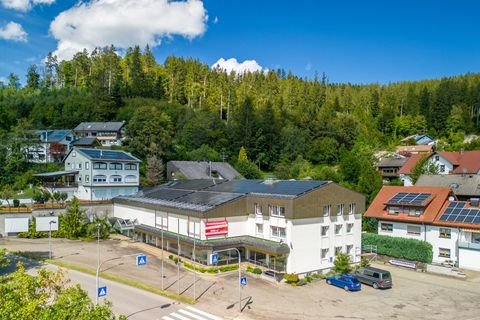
409 198
97 154
456 212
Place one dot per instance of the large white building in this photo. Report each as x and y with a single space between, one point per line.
434 215
288 226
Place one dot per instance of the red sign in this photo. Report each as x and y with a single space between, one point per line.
216 228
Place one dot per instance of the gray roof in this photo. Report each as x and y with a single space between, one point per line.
108 155
201 169
467 185
85 141
99 126
206 194
52 135
391 162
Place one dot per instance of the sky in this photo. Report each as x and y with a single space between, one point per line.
350 40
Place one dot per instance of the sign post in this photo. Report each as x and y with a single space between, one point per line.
243 281
141 260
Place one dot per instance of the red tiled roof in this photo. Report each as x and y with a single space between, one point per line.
410 164
439 197
468 160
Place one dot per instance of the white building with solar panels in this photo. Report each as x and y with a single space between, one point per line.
286 226
431 214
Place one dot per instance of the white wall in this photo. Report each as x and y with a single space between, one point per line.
407 180
400 230
433 237
143 216
441 161
469 259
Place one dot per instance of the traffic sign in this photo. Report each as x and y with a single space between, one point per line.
102 291
243 281
214 258
141 260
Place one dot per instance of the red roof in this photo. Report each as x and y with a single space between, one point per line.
468 160
439 196
410 164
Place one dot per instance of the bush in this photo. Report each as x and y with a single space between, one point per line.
291 278
342 263
410 249
228 268
255 270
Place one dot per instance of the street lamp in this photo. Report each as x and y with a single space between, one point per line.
98 225
239 274
50 238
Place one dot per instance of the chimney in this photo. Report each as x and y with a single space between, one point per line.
474 202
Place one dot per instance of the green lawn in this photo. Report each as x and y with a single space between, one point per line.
27 194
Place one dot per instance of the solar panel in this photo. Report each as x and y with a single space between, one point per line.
444 217
97 154
469 219
456 212
476 220
409 198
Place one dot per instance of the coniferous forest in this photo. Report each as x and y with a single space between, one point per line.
182 109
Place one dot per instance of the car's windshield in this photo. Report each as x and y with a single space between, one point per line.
355 280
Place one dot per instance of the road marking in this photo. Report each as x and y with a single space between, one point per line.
167 318
191 315
203 313
176 315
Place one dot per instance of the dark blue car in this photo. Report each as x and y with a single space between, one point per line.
347 282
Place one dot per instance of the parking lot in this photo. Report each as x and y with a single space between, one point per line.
414 295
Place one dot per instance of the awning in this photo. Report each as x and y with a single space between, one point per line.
471 230
55 174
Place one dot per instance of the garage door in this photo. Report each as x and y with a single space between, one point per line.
469 259
14 225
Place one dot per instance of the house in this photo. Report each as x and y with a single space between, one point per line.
464 187
95 174
420 139
405 172
86 142
415 149
107 133
201 170
434 215
389 167
286 226
48 146
462 162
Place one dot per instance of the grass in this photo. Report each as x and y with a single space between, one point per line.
27 194
128 282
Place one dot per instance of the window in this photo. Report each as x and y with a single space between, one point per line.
79 178
259 228
445 233
87 165
444 253
386 227
74 154
327 210
349 227
340 209
351 208
87 178
278 211
338 250
79 165
338 229
349 249
130 166
475 238
325 231
414 230
325 253
115 179
442 168
257 208
99 178
278 232
69 165
437 158
115 166
131 179
100 165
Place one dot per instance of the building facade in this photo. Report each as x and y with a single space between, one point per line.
48 146
287 226
107 133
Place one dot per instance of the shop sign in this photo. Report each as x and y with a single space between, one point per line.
216 228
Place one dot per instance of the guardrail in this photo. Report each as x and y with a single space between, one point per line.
15 210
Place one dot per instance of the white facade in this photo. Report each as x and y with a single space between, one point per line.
444 166
407 180
449 244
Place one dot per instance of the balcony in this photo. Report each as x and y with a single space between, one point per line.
469 245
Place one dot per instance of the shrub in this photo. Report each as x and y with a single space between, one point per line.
291 278
228 268
16 203
255 270
342 263
410 249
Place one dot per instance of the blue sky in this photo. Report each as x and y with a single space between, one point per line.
351 41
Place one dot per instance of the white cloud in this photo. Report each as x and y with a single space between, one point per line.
14 32
125 23
24 5
233 65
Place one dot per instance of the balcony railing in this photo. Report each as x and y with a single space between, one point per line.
469 245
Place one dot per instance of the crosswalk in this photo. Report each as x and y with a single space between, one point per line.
190 313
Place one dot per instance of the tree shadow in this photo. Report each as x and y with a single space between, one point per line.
32 260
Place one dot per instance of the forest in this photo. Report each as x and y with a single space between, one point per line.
285 125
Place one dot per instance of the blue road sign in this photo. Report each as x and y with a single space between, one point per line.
141 260
214 258
102 291
243 281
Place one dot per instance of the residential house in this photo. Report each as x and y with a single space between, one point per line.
201 170
107 133
465 187
86 142
48 146
434 215
462 162
286 226
420 139
405 172
389 167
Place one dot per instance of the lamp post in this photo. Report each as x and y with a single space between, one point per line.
162 254
98 225
239 275
50 238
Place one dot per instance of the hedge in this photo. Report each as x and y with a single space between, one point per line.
410 249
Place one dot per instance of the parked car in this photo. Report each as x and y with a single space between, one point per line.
375 277
345 281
